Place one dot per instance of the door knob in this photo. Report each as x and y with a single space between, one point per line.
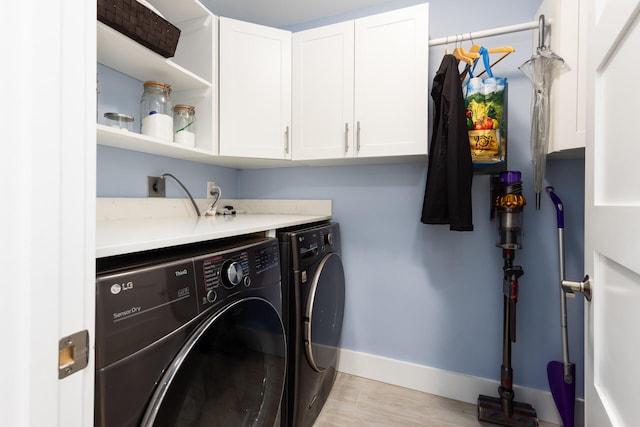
583 287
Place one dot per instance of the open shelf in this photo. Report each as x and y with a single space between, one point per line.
119 52
120 138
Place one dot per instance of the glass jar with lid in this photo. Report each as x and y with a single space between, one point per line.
184 125
156 111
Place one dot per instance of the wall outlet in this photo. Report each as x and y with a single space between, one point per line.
211 190
155 187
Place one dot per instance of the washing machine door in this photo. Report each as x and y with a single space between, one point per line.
324 313
229 373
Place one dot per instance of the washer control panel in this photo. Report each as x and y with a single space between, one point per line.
223 274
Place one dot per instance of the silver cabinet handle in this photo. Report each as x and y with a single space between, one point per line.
286 147
346 137
358 137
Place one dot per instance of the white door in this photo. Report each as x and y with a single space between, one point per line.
612 215
47 220
391 83
323 92
255 90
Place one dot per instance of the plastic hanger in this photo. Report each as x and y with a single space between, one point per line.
503 49
462 55
465 56
476 48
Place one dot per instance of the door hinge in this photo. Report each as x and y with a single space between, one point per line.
73 353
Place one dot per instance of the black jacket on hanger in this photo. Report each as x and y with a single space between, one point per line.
447 196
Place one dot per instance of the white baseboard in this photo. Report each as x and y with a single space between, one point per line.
465 388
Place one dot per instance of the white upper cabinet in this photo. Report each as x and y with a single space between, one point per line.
255 90
361 87
566 38
391 83
323 72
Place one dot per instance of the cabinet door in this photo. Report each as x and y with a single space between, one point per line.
255 90
391 87
323 92
566 37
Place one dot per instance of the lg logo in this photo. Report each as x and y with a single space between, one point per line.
116 288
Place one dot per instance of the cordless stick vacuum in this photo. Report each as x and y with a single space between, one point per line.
509 204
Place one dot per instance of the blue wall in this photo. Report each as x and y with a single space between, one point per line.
123 173
427 295
415 292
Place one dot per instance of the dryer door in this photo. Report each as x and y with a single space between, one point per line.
324 312
229 373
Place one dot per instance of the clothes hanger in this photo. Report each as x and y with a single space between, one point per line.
476 48
468 57
465 56
504 49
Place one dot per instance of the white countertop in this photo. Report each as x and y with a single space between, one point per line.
133 225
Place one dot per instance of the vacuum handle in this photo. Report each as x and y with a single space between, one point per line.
559 208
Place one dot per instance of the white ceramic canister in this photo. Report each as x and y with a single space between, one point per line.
156 111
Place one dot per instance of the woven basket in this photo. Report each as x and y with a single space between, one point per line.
141 24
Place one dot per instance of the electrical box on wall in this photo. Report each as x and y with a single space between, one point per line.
156 187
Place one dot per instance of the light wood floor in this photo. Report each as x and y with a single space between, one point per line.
356 401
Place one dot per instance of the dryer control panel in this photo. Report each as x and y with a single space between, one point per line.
308 245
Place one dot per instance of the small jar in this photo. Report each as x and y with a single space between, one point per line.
156 110
184 125
119 120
